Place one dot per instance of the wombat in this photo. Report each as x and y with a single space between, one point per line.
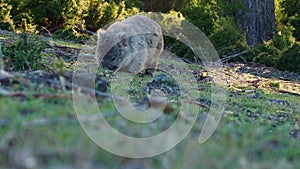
131 45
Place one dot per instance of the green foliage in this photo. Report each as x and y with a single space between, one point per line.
134 4
67 15
216 18
59 66
6 21
283 39
274 84
228 38
203 14
291 9
74 12
295 22
290 59
222 31
63 34
44 14
265 54
181 50
177 47
101 13
24 22
24 54
230 8
164 6
51 15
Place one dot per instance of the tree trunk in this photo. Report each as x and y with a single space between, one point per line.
258 21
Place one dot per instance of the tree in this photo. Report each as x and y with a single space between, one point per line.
258 20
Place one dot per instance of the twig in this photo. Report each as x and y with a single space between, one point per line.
54 46
49 33
286 92
84 31
226 58
198 104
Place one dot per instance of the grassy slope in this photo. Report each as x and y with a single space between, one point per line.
254 133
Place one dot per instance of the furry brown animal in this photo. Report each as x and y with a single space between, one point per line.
131 45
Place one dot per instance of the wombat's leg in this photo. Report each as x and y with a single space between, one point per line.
158 53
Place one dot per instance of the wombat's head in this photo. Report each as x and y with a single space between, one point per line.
110 47
108 39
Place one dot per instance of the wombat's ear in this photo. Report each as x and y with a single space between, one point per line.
100 32
122 35
122 38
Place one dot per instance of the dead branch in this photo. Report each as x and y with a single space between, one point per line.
56 47
198 104
228 57
286 92
84 31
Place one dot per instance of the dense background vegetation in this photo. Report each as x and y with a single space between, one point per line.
66 19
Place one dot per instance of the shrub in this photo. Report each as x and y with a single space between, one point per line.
228 38
292 12
177 47
283 39
66 35
101 13
290 59
265 54
295 21
134 4
24 21
163 6
51 15
24 54
268 56
203 14
5 17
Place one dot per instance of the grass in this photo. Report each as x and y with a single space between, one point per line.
239 141
255 132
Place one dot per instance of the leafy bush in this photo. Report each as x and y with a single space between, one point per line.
44 14
24 22
134 4
51 15
181 50
163 6
228 38
24 54
203 14
265 54
290 59
283 39
292 12
5 17
101 13
177 47
295 21
62 34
